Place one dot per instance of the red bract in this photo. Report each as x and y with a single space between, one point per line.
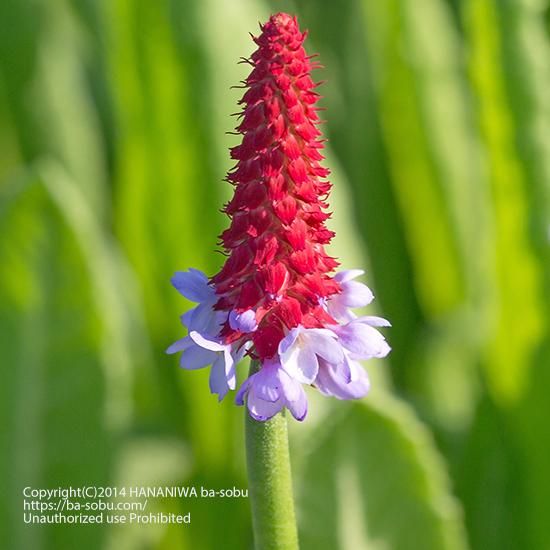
277 265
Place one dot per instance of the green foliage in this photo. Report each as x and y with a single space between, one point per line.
113 117
371 478
515 262
55 390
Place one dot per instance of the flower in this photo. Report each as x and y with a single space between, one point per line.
202 347
244 321
194 286
269 390
361 340
347 380
353 294
275 298
301 349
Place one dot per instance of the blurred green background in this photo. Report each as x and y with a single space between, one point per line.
113 146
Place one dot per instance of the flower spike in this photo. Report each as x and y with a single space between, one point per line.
275 298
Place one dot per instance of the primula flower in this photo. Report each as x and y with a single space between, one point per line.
270 389
275 298
352 294
302 348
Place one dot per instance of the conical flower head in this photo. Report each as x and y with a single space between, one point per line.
275 298
277 264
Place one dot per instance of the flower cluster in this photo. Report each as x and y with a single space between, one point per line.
275 299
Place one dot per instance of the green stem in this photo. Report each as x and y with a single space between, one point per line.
270 482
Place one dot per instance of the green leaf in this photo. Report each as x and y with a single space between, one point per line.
491 482
370 477
516 262
54 390
70 333
510 66
69 123
125 345
418 186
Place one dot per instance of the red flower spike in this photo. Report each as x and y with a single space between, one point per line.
274 299
277 265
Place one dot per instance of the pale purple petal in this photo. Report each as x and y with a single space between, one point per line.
377 345
229 367
355 338
288 341
357 372
180 345
205 319
329 383
301 363
324 332
266 383
196 357
262 410
344 370
218 381
187 318
384 350
271 389
299 349
324 343
334 380
362 340
244 321
374 321
339 310
298 408
356 294
290 388
205 342
353 294
348 275
264 396
193 284
245 386
359 385
294 395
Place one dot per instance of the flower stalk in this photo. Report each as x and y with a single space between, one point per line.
270 481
